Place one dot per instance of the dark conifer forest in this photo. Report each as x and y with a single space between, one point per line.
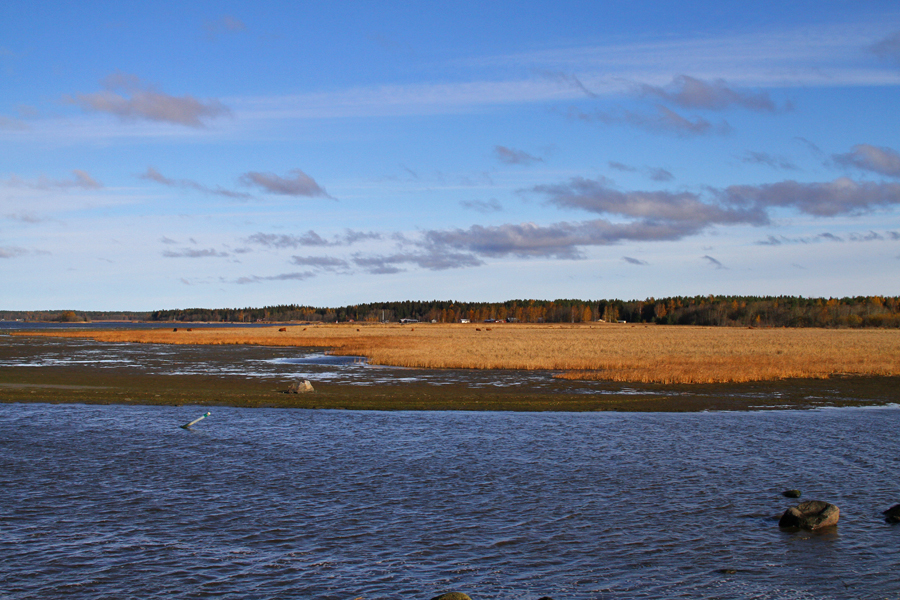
738 311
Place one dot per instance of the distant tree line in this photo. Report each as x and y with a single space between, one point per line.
72 316
736 311
758 311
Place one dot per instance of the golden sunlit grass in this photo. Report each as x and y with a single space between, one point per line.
610 352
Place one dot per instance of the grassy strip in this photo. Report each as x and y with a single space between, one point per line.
105 386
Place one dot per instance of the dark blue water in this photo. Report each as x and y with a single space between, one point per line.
119 502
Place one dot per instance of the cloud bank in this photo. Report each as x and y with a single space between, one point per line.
621 216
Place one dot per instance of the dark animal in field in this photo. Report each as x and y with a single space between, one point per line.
176 329
283 329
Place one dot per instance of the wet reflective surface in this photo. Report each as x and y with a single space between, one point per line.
260 362
119 501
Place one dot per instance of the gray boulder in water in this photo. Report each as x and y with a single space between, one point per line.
452 596
892 515
811 515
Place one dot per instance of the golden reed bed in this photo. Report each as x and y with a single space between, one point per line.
611 352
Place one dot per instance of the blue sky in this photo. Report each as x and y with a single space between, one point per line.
174 155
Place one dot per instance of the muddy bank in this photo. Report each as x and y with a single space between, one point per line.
110 386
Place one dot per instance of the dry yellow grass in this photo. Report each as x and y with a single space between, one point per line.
626 353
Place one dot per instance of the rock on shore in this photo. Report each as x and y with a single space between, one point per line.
300 387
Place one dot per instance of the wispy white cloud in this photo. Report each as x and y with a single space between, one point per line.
621 167
690 92
280 241
280 277
324 262
224 24
659 174
511 156
152 174
653 173
687 209
10 124
431 259
482 206
827 54
663 120
80 180
842 196
888 47
869 236
885 161
26 217
12 251
400 100
563 240
297 184
194 253
129 98
769 160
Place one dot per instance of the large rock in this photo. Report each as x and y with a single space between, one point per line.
892 515
811 515
452 596
300 387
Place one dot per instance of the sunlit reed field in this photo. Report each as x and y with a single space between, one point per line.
610 352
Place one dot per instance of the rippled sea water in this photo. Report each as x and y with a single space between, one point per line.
120 502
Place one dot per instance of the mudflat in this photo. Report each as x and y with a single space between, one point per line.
93 384
605 352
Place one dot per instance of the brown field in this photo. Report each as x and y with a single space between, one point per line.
608 352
